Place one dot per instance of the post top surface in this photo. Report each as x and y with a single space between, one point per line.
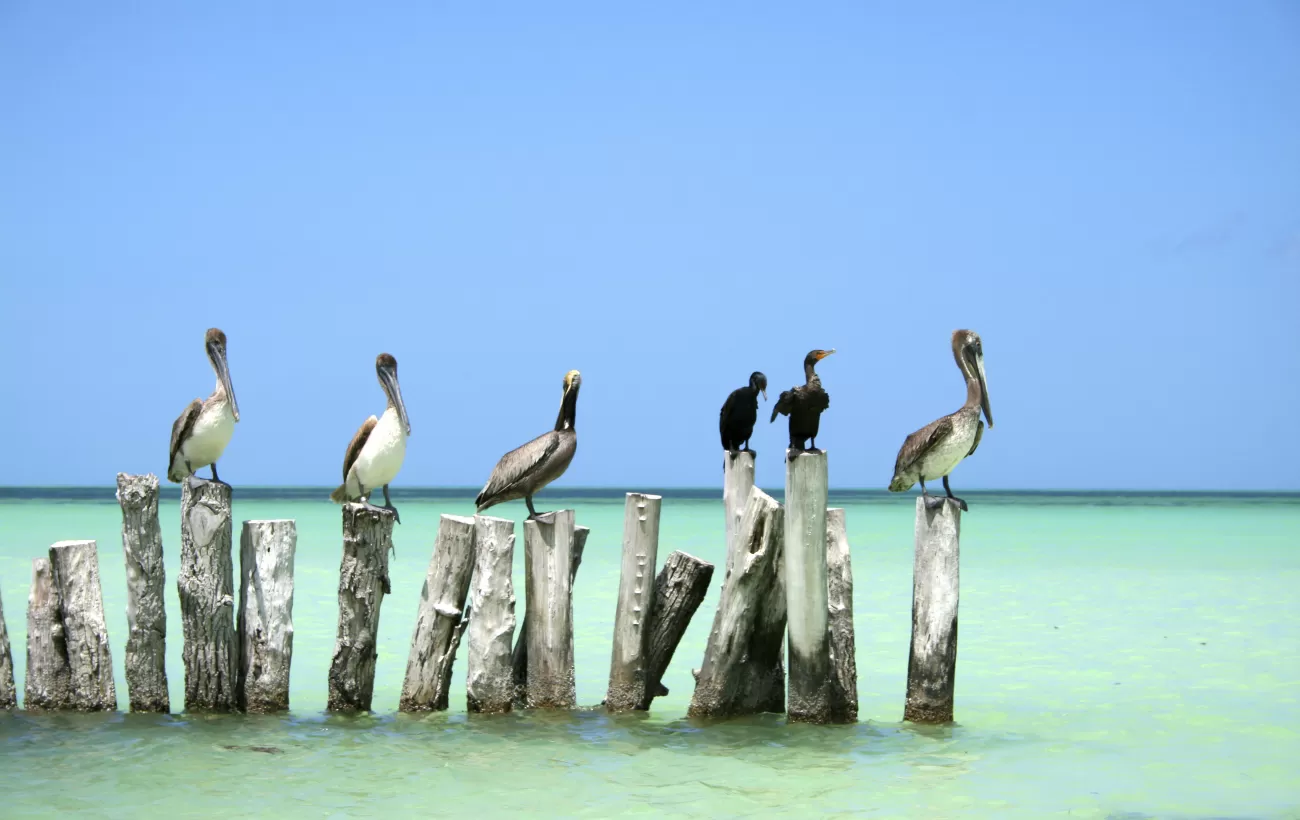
59 545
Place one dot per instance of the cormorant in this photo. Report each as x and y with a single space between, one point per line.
739 412
804 404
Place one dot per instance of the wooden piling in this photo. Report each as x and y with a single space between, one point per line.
206 586
519 658
49 681
742 671
146 611
363 583
636 589
85 633
489 683
679 590
266 556
737 481
936 576
548 557
839 572
438 623
8 692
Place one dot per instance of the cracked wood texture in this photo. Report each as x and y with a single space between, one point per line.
742 672
8 692
207 586
839 574
679 590
363 583
636 589
49 681
438 622
737 481
936 577
489 683
519 660
85 633
146 611
266 556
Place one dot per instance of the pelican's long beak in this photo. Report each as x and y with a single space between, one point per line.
222 367
984 388
388 377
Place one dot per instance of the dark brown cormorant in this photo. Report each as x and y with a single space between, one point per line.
935 449
524 471
804 404
739 412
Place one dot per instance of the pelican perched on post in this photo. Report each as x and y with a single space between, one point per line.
524 471
935 449
804 404
201 433
376 452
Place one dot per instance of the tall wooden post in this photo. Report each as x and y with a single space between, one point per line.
363 583
839 571
737 481
85 634
440 620
810 697
8 692
206 585
489 684
146 611
548 550
266 554
636 589
936 581
519 658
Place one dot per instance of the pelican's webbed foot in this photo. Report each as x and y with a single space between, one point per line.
948 490
932 502
388 505
532 513
214 476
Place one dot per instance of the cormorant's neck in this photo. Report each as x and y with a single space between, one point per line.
568 411
810 375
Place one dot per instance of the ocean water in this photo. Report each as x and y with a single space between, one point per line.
1120 656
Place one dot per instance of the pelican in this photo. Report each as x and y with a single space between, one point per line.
202 431
804 404
524 471
938 447
739 412
375 454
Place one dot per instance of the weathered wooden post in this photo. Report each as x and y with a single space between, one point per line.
363 583
839 571
85 635
489 683
636 589
679 590
548 562
742 671
146 612
206 585
266 553
8 692
737 481
49 682
519 658
441 617
932 664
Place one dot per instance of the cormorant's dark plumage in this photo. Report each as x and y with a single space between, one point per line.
739 412
804 404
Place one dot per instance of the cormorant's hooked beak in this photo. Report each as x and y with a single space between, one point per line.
984 388
218 356
388 378
763 390
823 354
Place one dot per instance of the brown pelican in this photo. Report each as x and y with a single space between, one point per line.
804 404
524 471
202 431
739 412
938 447
375 454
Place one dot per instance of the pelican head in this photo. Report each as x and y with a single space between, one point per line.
215 342
757 381
386 367
572 381
969 352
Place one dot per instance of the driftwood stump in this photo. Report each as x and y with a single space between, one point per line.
8 692
363 583
489 684
85 634
519 659
742 671
548 557
679 590
441 617
737 481
266 554
49 681
146 611
636 589
839 573
207 586
936 577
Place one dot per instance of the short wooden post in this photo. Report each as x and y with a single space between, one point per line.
839 573
85 634
439 621
627 664
206 585
810 698
932 664
489 684
363 583
548 554
742 671
519 658
737 481
266 554
49 681
8 692
146 612
679 590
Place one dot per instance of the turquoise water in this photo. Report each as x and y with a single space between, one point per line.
1120 656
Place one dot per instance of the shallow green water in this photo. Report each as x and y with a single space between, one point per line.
1119 657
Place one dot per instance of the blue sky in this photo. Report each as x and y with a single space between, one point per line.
666 198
